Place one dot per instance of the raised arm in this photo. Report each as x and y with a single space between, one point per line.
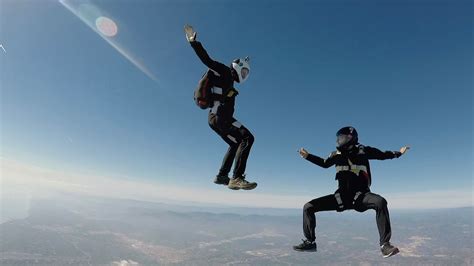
325 163
374 153
191 36
206 59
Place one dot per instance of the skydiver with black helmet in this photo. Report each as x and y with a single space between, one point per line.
354 179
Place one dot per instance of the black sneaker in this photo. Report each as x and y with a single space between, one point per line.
306 246
237 183
388 250
222 180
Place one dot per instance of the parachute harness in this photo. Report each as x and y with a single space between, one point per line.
356 169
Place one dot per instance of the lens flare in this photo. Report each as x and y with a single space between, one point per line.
106 26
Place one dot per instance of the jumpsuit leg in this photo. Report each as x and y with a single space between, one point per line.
245 140
379 204
326 203
231 151
228 160
240 141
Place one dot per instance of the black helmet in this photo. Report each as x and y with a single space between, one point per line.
347 138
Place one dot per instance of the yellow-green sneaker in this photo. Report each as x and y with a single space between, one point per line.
237 183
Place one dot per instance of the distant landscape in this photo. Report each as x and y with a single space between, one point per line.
65 230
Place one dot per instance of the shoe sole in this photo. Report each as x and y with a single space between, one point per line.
396 251
305 250
219 183
244 188
249 188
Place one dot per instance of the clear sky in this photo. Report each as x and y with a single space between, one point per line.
121 106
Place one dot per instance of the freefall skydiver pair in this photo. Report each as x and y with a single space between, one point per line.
351 158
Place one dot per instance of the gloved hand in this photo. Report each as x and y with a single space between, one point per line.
190 33
304 153
402 151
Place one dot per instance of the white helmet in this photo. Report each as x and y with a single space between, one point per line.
242 67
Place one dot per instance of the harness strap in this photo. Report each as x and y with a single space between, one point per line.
237 124
353 168
339 200
215 107
217 90
356 197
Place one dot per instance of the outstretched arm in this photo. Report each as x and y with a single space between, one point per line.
206 59
191 36
325 163
374 153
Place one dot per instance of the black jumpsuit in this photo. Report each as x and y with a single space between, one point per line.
354 178
221 118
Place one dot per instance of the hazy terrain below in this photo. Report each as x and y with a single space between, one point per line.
93 231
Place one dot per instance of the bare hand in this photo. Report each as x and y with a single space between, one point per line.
404 149
304 153
190 33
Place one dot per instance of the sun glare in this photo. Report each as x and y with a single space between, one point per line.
106 26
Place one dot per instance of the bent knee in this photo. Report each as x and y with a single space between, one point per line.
247 135
308 207
251 138
382 203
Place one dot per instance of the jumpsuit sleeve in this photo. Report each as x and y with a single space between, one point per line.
325 163
206 59
374 153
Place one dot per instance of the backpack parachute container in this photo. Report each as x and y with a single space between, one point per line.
203 92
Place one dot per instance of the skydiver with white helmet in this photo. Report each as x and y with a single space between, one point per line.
216 91
354 179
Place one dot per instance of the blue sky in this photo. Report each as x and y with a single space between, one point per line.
400 72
